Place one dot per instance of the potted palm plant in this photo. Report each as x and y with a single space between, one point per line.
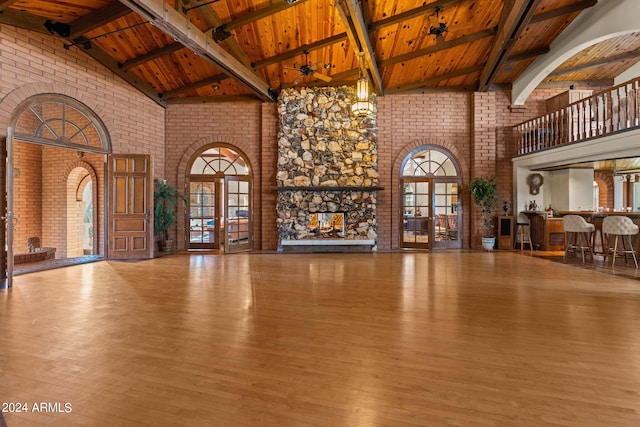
165 203
484 191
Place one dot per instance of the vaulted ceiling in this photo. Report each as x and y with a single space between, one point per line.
200 50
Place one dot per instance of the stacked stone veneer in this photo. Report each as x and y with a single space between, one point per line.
327 162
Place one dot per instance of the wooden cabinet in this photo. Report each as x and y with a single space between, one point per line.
565 98
505 232
547 234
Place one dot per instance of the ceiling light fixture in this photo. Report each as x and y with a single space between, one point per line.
363 105
440 27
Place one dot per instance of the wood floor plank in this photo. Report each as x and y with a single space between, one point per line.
388 339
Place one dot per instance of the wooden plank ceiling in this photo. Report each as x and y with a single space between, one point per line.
187 50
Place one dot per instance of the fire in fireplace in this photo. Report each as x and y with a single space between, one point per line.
326 224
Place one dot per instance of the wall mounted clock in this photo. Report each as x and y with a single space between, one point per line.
535 181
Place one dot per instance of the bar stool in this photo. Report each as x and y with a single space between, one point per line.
619 226
579 235
523 235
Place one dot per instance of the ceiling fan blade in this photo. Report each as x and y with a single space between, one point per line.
297 80
322 77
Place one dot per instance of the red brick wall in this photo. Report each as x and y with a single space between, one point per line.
406 122
192 127
605 189
269 158
27 202
475 128
33 63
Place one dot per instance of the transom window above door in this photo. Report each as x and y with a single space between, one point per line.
219 160
429 163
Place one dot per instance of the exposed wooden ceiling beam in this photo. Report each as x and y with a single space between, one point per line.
217 78
259 14
178 26
292 53
340 79
435 79
36 24
554 13
436 48
409 14
342 36
516 16
166 50
528 54
351 13
6 3
441 89
212 19
211 99
596 63
98 18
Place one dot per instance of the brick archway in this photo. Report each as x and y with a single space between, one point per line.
406 151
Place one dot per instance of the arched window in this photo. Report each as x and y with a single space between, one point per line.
219 160
430 181
430 162
220 200
58 120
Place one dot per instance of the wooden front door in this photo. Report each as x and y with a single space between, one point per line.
130 207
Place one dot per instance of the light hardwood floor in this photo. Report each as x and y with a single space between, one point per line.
388 339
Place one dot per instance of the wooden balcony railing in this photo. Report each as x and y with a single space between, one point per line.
601 114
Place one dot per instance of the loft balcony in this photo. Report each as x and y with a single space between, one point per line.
602 114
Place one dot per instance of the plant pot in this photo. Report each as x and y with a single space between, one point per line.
167 245
488 243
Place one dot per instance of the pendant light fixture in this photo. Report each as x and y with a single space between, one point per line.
363 105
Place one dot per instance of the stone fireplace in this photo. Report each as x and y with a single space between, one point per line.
327 163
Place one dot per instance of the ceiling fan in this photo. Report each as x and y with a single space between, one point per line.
436 28
310 70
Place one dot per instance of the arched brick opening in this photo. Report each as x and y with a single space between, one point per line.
193 151
396 190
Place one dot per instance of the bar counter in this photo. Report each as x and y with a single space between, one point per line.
596 219
547 232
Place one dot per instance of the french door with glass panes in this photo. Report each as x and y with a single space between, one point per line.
430 213
417 213
238 226
205 217
447 214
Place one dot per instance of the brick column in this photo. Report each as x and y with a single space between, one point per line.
483 150
268 165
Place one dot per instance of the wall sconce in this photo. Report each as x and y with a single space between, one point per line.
363 105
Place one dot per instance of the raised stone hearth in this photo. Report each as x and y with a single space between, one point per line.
327 162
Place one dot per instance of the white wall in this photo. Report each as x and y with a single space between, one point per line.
561 189
581 190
